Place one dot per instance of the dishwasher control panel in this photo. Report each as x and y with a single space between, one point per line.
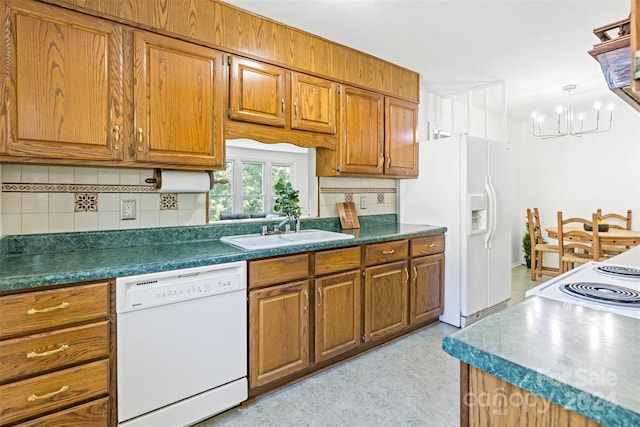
150 290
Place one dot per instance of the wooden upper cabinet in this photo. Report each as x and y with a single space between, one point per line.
361 145
64 88
179 97
400 138
377 137
257 92
314 103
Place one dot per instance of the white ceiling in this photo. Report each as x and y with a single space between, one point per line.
535 46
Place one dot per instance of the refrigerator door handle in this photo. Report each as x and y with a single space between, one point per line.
491 231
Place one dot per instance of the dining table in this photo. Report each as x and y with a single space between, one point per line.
614 236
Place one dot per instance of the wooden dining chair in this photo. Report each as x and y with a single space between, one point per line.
618 221
539 247
575 244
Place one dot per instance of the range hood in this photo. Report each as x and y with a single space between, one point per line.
614 56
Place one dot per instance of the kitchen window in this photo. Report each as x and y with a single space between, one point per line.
245 188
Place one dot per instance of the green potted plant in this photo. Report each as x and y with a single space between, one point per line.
526 245
287 199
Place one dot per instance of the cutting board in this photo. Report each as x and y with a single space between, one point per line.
348 216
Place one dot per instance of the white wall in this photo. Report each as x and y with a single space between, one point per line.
578 175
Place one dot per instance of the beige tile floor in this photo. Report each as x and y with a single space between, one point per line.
410 382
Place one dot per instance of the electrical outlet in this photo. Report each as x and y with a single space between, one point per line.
127 209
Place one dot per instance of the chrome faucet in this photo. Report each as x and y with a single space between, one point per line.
276 228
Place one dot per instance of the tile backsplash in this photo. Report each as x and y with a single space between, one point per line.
54 199
371 196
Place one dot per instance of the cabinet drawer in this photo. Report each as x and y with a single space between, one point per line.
337 260
29 398
379 253
278 270
427 245
94 414
30 312
31 355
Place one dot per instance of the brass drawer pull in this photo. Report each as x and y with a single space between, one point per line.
33 354
48 309
34 397
430 245
391 252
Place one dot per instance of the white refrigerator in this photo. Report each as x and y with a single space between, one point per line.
464 184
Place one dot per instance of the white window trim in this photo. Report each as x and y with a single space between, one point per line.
301 161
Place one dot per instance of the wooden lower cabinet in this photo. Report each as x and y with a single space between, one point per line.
337 314
386 302
308 311
278 332
56 356
427 288
486 400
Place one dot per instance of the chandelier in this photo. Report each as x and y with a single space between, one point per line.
566 122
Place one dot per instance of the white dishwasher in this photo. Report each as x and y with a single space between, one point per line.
181 344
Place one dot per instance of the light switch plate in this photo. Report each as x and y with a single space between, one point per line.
363 202
127 209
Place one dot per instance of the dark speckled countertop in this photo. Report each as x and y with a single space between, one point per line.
583 359
50 259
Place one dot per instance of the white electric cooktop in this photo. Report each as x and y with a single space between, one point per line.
599 285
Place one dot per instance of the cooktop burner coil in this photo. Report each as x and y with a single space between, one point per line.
603 292
619 271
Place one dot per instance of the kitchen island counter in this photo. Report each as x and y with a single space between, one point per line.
50 259
583 359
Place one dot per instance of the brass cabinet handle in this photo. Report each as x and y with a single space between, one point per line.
406 272
140 139
34 397
295 110
430 245
388 162
415 274
306 295
319 297
116 137
283 108
48 309
391 252
34 354
381 160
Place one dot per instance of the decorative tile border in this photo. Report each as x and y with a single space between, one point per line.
76 188
357 190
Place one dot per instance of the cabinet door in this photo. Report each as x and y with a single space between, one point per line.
386 301
427 288
362 134
178 92
313 103
64 91
278 332
257 92
400 140
337 314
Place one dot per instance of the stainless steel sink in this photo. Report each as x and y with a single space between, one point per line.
304 237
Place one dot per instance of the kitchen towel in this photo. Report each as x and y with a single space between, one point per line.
175 181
